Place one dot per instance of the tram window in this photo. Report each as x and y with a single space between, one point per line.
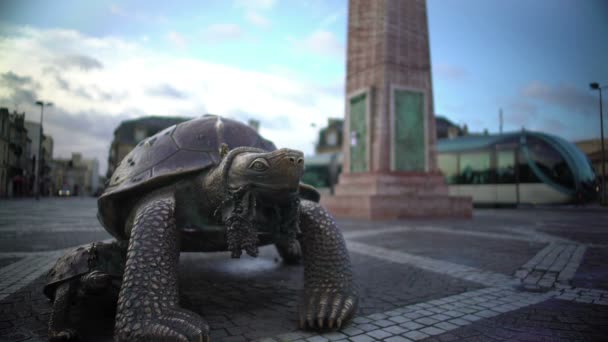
526 175
551 163
475 168
505 167
448 164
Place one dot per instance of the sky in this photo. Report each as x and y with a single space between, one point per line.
282 62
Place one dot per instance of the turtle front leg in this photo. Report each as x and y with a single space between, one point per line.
148 307
58 322
330 295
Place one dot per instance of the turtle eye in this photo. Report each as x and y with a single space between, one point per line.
259 164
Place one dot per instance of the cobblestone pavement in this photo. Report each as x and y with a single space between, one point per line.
506 275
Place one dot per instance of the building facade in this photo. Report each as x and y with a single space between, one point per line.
4 151
44 168
77 175
18 183
330 137
593 149
46 184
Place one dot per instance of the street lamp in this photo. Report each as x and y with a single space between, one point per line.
39 157
596 86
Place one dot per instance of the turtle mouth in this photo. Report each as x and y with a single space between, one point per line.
275 192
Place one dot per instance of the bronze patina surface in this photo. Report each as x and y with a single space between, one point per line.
208 184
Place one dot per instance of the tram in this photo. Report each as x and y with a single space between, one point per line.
519 167
500 169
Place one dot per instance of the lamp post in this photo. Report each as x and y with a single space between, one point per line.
39 156
596 86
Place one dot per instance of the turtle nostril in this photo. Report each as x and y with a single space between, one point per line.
300 160
292 159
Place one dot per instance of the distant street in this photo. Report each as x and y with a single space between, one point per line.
506 275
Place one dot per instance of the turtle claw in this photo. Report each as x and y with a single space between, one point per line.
173 325
327 309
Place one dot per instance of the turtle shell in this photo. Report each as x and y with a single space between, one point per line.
73 264
109 258
156 161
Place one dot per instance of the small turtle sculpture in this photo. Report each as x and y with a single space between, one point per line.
208 184
94 269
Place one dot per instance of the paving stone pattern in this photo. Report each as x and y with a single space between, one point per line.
555 263
5 261
434 317
255 298
550 320
593 271
434 280
463 249
21 273
487 278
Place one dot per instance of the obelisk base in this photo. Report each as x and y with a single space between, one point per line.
383 196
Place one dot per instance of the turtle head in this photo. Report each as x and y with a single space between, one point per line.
255 181
272 175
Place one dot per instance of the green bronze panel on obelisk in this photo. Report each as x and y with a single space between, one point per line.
358 134
408 144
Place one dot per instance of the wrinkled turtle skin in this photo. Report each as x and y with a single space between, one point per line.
214 184
93 269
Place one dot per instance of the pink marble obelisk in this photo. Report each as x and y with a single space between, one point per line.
390 162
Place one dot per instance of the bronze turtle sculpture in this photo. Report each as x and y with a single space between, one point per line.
94 269
210 184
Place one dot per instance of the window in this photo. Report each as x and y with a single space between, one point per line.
505 167
475 168
332 138
448 164
550 162
140 134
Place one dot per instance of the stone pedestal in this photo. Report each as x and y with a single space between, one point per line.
390 162
383 196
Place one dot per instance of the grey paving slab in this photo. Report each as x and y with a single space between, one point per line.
499 255
256 299
546 321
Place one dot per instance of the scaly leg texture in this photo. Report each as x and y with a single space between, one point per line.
58 323
148 301
330 295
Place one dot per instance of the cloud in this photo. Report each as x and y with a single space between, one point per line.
222 32
166 90
450 72
324 43
565 96
22 89
89 105
257 19
83 62
92 130
177 39
12 80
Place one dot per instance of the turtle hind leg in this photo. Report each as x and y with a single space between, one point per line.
58 323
